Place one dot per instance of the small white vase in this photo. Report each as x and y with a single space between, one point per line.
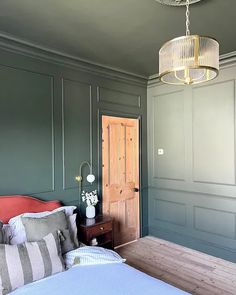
90 211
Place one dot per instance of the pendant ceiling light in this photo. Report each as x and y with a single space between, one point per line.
190 59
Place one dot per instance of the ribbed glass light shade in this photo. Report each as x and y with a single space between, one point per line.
189 60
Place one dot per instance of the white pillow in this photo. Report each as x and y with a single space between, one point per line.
17 227
91 255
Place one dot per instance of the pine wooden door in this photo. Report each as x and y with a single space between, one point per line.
120 176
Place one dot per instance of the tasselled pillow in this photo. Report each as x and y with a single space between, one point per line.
37 228
28 262
18 235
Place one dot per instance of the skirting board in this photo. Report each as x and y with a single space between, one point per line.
193 243
144 231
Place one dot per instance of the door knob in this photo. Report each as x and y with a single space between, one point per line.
136 190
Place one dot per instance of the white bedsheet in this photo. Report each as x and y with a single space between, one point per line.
110 279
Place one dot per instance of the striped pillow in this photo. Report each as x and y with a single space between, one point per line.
25 263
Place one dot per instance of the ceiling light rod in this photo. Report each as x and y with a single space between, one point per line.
187 18
189 59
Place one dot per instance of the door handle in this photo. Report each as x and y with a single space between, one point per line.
136 190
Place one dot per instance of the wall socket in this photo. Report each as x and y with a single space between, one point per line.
160 152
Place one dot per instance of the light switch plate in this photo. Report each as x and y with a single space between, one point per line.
160 152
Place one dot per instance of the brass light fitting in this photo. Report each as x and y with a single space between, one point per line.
189 59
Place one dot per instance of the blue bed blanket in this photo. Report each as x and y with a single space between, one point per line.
110 279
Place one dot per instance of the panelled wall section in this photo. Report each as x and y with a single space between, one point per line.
50 114
191 152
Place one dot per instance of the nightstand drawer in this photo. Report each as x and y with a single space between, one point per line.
99 229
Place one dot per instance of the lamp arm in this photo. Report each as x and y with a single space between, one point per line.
81 166
79 178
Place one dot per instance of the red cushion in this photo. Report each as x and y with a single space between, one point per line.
11 206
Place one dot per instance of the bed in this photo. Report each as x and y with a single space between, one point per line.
99 279
115 279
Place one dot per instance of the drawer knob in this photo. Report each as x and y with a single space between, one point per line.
101 228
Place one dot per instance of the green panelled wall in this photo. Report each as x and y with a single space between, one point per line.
50 121
192 186
50 117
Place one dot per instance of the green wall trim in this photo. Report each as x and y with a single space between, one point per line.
29 49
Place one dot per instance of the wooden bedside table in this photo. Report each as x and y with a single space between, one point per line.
100 227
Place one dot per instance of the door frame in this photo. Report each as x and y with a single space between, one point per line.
128 116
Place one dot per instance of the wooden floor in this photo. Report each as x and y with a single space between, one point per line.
187 269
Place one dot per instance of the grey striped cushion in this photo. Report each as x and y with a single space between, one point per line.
25 263
1 232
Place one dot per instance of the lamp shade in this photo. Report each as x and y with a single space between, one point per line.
90 178
189 59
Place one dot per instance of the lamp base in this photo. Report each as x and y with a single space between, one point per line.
78 178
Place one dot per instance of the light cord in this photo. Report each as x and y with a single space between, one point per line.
187 18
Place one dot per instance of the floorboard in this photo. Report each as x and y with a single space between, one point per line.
187 269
